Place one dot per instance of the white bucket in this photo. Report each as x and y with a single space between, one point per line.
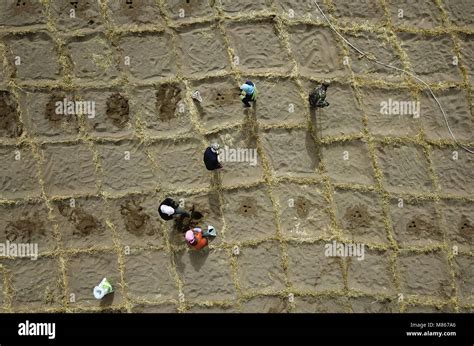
102 289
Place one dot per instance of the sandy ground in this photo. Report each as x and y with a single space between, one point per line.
86 189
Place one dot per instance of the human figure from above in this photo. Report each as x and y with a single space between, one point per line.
169 208
248 93
317 98
211 157
197 239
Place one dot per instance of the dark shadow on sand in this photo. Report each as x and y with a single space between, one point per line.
197 258
317 133
315 123
313 150
214 202
107 300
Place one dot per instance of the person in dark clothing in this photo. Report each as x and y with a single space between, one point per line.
169 208
317 98
211 159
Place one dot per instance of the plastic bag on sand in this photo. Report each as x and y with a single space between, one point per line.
197 96
211 232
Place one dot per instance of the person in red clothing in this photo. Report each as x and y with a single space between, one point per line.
195 239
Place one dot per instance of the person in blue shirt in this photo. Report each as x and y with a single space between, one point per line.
248 93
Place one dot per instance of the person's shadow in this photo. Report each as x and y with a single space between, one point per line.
197 258
315 123
199 108
250 127
216 179
317 132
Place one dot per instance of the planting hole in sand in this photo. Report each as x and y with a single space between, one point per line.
187 5
357 217
21 12
465 228
57 111
22 6
224 96
84 223
302 207
51 113
419 225
136 220
167 99
9 120
118 110
22 230
248 206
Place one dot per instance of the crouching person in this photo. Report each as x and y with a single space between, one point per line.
197 239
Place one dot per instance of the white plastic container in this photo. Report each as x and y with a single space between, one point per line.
211 232
197 96
102 289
